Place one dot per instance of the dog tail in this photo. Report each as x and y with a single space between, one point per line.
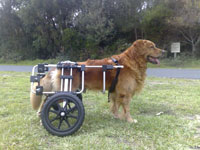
35 99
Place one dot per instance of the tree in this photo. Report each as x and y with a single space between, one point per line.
46 20
155 22
13 39
81 29
187 22
94 26
127 17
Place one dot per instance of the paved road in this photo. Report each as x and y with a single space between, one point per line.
16 68
152 72
174 73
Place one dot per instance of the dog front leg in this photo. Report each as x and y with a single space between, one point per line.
115 108
114 105
126 111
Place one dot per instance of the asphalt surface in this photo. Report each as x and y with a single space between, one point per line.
151 72
16 68
174 73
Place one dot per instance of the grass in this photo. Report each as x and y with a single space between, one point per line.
177 128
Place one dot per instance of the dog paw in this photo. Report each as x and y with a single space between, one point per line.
40 122
39 114
135 121
122 117
130 120
116 116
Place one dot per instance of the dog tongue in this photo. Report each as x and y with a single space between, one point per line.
157 61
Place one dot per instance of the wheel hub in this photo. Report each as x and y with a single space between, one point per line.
62 114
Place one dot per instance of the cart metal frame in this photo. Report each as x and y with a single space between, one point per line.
65 105
67 82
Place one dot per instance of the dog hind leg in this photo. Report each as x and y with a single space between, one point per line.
35 99
41 106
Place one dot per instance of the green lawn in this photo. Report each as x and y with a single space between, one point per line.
177 128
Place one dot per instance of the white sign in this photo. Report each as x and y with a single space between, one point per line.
176 47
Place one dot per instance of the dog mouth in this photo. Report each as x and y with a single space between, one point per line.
153 60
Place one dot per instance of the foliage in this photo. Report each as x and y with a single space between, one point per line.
73 43
186 18
155 23
81 29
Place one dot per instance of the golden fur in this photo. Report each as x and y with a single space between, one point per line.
130 81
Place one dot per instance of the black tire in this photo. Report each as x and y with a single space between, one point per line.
64 119
79 95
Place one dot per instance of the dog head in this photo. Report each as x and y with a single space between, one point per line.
147 50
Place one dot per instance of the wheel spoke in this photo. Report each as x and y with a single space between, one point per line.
69 106
55 118
72 116
67 122
56 106
61 120
72 109
66 103
55 112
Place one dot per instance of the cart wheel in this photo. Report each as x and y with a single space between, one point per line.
63 114
79 95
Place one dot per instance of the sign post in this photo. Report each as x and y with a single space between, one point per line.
175 48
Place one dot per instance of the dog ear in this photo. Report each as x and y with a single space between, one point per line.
134 44
139 42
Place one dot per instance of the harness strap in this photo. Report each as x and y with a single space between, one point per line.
115 61
115 80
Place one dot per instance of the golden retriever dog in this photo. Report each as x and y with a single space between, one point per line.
130 80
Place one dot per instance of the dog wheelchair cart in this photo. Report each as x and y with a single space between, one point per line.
63 112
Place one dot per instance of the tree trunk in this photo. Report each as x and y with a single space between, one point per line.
193 49
196 47
136 37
